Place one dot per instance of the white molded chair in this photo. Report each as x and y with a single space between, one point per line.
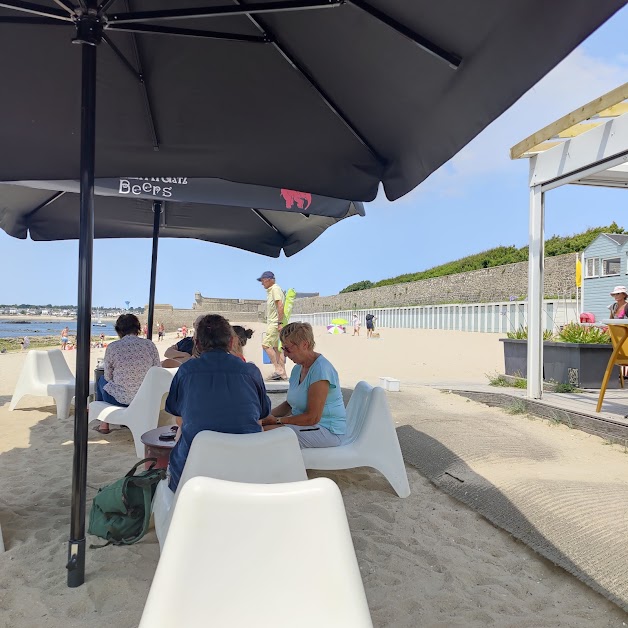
269 556
263 458
1 542
142 414
370 441
47 374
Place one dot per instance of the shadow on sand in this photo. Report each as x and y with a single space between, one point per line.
572 513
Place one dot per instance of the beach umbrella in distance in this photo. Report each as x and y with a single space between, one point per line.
329 96
336 329
339 321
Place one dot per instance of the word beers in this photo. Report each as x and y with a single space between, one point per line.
152 186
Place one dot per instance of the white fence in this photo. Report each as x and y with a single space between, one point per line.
498 317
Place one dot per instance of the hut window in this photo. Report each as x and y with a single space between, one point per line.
592 267
611 266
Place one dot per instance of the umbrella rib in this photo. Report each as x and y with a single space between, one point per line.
326 98
36 9
104 6
149 29
33 20
425 44
267 222
139 75
225 10
66 6
52 199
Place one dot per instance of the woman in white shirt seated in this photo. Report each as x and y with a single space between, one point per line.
126 363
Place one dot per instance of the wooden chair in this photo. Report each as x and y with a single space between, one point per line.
619 357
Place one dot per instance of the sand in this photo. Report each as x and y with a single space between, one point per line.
426 560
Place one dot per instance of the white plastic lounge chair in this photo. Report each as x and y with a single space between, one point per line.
263 458
1 542
269 556
371 440
47 374
142 414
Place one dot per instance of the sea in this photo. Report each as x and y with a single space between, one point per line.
37 327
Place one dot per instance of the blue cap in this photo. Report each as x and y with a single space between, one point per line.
266 275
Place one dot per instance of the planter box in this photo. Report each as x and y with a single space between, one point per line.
516 357
581 365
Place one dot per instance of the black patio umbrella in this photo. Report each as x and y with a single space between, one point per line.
254 218
329 96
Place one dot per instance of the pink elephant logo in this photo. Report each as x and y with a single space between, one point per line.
302 199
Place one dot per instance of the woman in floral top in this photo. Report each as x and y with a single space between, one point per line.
126 363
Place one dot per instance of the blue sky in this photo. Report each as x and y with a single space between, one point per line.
476 201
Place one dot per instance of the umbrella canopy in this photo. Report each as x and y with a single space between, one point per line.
339 321
254 218
336 329
329 96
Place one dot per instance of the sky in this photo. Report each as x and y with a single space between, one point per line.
476 201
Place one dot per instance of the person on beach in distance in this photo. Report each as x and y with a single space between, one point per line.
217 391
181 351
241 337
314 408
274 316
370 325
184 331
161 330
356 325
64 337
126 363
25 343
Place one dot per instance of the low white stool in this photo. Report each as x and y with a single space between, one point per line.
389 383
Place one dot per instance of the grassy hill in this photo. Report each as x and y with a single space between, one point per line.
556 245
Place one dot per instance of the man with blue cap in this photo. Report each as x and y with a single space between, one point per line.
274 316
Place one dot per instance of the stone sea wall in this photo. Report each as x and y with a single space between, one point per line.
500 283
173 318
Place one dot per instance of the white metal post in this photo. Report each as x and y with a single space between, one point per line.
535 291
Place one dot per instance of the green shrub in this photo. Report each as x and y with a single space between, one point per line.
556 245
580 334
522 334
360 285
565 388
494 379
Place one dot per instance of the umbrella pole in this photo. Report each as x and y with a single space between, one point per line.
87 36
153 267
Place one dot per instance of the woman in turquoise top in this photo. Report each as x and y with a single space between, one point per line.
314 408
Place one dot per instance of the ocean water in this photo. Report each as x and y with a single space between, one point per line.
39 327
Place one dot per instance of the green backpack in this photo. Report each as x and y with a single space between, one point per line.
121 511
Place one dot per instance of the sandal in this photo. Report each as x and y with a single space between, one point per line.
274 377
100 430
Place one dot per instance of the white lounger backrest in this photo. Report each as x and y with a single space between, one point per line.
156 383
56 361
263 555
356 410
263 458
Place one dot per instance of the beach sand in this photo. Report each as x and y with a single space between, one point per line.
425 561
